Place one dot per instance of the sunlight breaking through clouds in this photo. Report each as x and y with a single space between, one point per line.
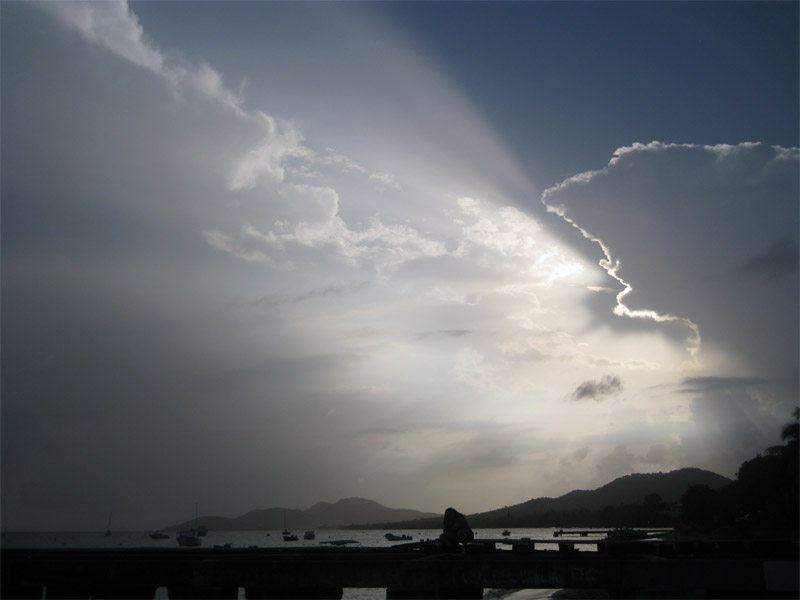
611 266
350 272
727 180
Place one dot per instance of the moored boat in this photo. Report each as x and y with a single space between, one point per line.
159 535
188 537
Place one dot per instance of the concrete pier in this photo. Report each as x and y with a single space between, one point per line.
736 569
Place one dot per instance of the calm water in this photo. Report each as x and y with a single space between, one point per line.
263 539
274 539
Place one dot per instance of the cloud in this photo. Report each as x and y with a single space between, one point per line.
208 82
279 143
385 179
676 225
781 259
620 461
705 384
581 453
735 420
115 26
597 389
354 288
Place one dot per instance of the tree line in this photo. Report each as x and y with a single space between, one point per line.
763 500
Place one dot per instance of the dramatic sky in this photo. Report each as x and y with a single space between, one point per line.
432 254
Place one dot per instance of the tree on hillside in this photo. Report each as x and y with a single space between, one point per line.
789 434
700 506
765 497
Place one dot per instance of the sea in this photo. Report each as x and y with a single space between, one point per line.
274 539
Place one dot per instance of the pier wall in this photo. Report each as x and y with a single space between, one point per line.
626 570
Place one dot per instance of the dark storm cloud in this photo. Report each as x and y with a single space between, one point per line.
693 385
597 389
116 330
781 259
684 218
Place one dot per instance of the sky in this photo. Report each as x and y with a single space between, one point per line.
267 254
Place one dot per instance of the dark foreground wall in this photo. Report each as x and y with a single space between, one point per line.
626 570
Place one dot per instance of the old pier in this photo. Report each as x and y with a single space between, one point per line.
634 569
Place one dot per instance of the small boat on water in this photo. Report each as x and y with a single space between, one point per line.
159 535
506 532
309 535
397 538
188 537
290 538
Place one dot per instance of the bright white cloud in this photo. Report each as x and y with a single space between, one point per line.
280 142
114 25
362 277
209 83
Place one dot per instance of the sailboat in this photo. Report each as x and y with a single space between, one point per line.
288 536
285 531
108 529
189 537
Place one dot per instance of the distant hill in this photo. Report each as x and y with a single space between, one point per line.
576 506
629 490
348 511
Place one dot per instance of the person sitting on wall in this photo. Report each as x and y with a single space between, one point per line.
455 531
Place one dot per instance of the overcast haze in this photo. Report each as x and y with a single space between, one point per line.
431 254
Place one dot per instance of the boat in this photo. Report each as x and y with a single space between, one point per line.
290 538
506 532
285 533
202 529
309 535
189 537
159 535
108 529
397 538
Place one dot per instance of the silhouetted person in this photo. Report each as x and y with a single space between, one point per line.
455 530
